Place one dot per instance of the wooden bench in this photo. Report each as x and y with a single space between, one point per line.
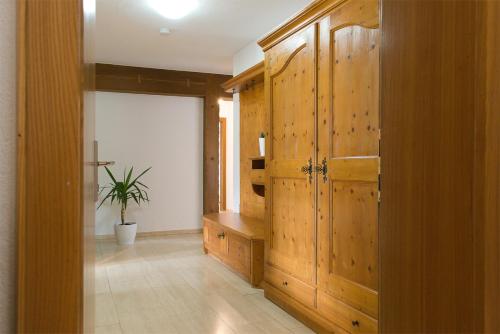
237 241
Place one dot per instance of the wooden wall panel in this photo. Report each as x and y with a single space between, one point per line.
252 123
492 170
50 194
438 226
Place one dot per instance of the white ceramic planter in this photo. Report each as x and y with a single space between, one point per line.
125 234
262 146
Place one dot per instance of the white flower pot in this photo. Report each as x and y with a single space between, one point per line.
262 146
125 234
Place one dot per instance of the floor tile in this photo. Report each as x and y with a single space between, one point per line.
167 285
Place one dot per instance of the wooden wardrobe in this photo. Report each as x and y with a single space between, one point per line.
322 166
322 170
404 239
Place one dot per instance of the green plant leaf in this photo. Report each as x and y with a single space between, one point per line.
110 174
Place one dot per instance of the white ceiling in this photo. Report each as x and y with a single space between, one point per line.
204 41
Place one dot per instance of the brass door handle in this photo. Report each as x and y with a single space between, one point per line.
308 169
323 169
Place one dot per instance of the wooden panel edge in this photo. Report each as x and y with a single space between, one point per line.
252 76
21 160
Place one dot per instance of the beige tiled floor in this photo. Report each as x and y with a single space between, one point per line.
167 285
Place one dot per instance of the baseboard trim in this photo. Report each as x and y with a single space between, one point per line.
153 234
304 314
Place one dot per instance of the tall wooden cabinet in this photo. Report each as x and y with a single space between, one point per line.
322 170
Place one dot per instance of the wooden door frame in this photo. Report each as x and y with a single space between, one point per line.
55 245
51 90
222 164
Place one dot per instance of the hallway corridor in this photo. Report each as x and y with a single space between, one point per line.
167 285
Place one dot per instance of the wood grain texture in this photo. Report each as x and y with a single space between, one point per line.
128 79
238 242
252 123
302 19
290 96
247 227
51 194
245 80
439 231
348 141
305 314
492 170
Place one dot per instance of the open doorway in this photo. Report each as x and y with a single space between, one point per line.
226 153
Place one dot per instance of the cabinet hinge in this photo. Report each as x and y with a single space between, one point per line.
378 196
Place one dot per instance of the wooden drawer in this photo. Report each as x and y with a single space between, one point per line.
238 254
345 316
215 238
257 176
291 286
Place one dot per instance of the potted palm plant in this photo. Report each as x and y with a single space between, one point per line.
121 192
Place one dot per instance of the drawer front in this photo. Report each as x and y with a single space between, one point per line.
293 287
215 238
239 254
345 316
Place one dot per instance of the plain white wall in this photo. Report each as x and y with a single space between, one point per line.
7 165
247 57
226 111
165 132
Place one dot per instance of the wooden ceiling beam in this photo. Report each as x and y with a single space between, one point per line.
141 80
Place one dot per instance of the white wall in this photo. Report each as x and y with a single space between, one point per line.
7 165
164 132
226 111
247 57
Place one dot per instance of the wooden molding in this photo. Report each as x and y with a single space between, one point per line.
140 80
304 18
254 75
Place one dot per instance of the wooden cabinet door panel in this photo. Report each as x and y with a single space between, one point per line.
238 256
215 238
291 143
348 141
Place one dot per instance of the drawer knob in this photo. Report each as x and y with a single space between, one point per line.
221 235
285 283
355 323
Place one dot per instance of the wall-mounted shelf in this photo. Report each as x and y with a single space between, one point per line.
254 75
257 174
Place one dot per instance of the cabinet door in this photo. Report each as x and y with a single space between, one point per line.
348 140
290 145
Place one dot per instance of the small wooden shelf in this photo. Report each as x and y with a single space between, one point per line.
257 175
254 75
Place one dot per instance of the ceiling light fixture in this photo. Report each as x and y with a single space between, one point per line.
174 9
